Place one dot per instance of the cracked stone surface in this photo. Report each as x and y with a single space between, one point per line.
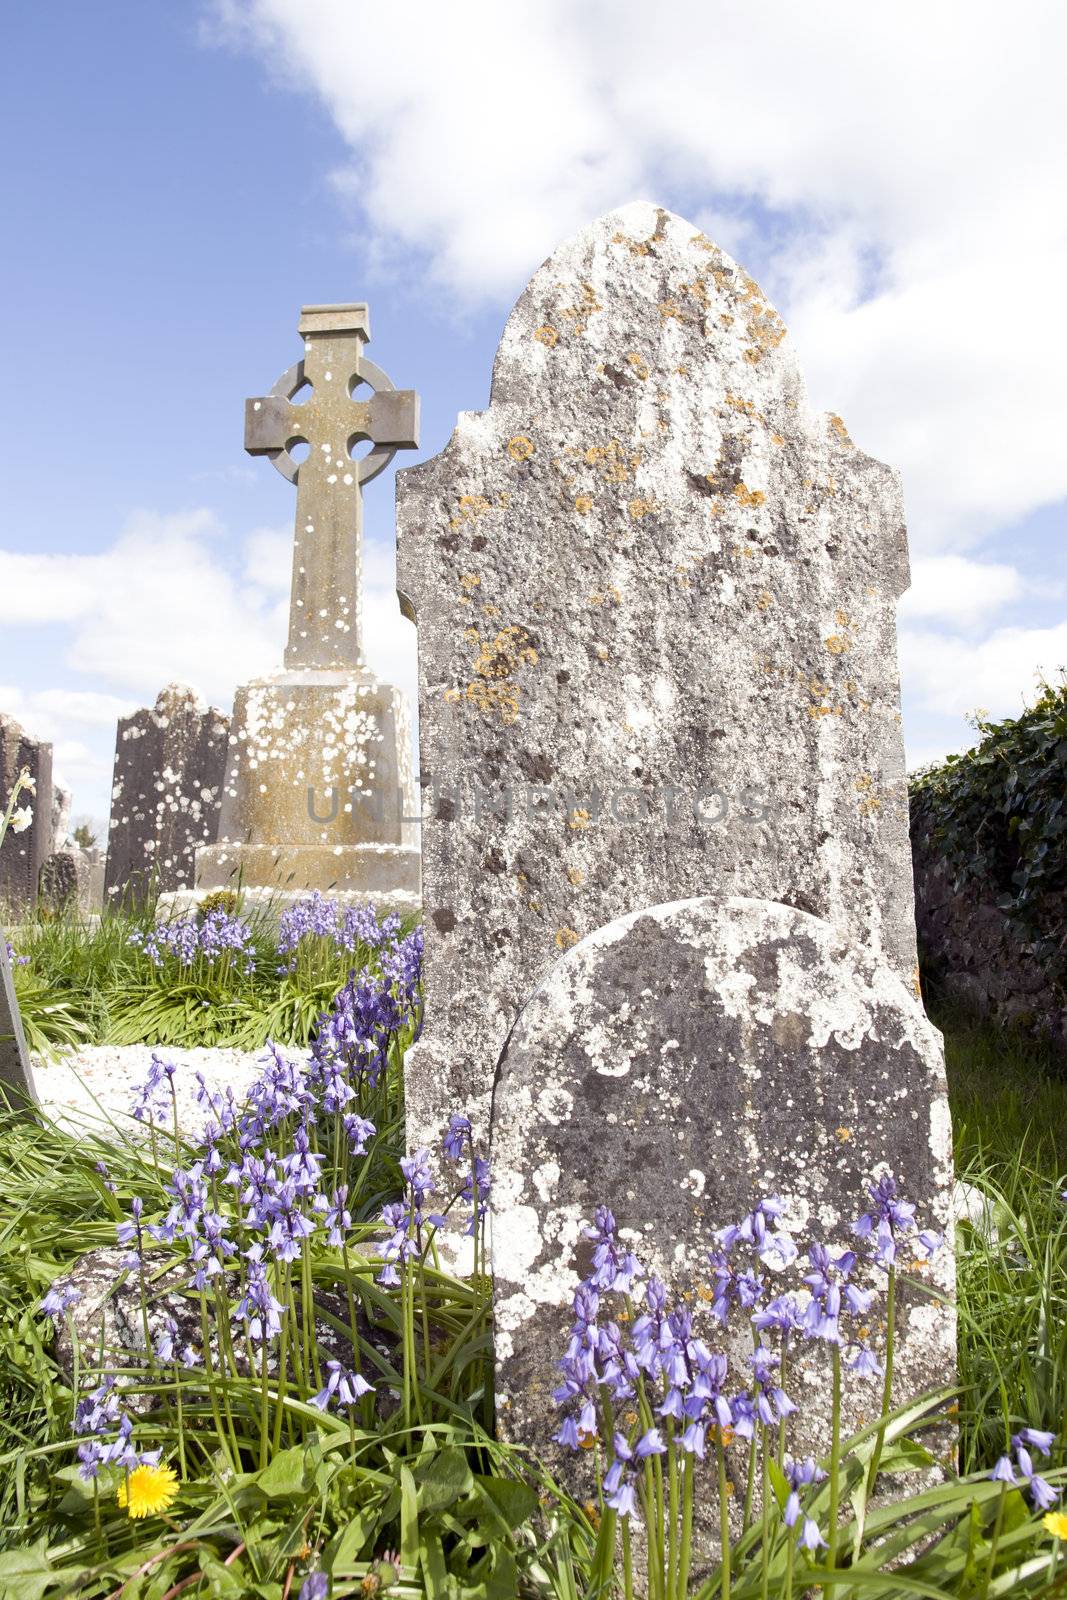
656 603
677 1065
165 793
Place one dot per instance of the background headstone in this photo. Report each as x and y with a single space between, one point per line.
169 765
73 878
23 854
657 654
61 804
319 790
16 1073
677 1065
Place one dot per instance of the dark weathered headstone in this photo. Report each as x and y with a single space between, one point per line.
16 1074
72 879
169 765
677 1065
319 790
23 854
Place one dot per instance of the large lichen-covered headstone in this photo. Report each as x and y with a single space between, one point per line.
23 853
169 766
656 604
319 789
677 1065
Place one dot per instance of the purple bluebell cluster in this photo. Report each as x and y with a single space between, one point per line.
347 928
98 1415
888 1222
221 939
152 1102
13 956
458 1148
1021 1471
270 1187
629 1345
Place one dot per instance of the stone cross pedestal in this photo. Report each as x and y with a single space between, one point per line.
319 790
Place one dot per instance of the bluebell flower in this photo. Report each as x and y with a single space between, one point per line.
61 1298
316 1586
810 1538
1038 1438
800 1475
346 1387
457 1138
866 1364
623 1500
614 1266
1003 1472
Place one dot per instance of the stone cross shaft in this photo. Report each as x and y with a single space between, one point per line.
325 610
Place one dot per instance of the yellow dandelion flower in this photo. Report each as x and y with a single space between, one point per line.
1056 1524
148 1490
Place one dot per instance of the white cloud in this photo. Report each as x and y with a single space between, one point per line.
910 157
998 674
959 591
174 598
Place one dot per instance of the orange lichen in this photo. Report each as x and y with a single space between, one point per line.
566 938
639 365
547 335
748 497
520 448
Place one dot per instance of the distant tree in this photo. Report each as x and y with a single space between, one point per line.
83 836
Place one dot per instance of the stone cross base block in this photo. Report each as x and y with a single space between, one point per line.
319 790
677 1065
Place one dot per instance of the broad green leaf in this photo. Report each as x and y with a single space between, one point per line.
409 1520
283 1475
445 1480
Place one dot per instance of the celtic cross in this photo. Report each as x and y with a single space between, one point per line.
326 604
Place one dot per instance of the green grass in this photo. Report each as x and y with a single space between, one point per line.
85 983
1009 1105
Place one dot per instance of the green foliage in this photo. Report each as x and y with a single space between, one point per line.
85 983
997 815
434 1506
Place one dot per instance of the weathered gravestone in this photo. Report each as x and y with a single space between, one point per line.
169 765
16 1074
319 792
657 658
23 854
73 879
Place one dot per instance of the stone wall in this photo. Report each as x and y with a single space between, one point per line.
975 952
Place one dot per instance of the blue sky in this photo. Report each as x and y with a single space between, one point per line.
180 179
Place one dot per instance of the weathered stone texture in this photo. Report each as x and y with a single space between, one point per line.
678 1064
647 573
169 766
23 854
72 878
319 789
